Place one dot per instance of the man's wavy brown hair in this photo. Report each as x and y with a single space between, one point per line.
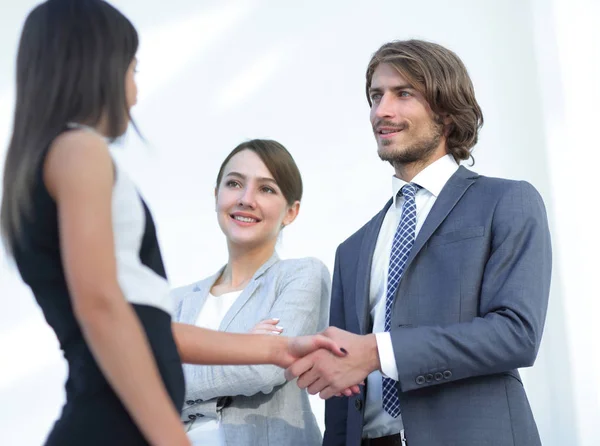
441 77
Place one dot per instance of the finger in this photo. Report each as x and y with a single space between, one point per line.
272 321
267 332
308 378
268 327
355 390
317 386
327 392
298 368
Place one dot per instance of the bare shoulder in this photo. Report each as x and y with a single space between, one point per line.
77 158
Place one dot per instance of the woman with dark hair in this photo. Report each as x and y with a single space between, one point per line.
84 240
257 194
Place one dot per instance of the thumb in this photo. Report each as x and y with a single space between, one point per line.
326 343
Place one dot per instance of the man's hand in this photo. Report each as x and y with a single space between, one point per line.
329 375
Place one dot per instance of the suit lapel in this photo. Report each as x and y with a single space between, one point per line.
247 293
363 269
452 192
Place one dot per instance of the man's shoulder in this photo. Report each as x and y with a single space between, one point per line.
505 197
500 186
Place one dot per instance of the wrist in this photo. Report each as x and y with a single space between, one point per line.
372 353
278 348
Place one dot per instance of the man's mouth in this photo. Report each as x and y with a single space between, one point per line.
386 131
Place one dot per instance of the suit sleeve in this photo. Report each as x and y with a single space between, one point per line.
336 409
301 306
512 308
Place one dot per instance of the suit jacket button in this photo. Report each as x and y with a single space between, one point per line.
438 376
447 374
429 377
358 404
420 380
192 417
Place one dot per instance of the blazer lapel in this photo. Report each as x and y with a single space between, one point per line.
363 269
452 192
247 293
194 301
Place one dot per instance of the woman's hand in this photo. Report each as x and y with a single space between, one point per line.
300 346
268 326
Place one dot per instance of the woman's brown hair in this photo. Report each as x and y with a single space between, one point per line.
280 163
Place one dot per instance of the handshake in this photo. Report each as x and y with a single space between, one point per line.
332 363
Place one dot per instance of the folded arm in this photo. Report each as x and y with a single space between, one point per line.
301 306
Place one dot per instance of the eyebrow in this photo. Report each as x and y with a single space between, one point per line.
244 177
394 89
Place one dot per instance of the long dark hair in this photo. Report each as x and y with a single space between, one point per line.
71 65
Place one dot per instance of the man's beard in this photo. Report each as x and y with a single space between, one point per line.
418 152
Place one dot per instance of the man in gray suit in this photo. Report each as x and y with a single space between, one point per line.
442 296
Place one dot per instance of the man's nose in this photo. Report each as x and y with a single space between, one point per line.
385 107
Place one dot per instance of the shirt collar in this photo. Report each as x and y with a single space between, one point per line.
433 178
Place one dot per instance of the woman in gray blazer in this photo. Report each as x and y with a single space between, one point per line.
258 193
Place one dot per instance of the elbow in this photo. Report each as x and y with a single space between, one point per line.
528 346
98 307
271 384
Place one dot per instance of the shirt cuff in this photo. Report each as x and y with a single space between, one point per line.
387 359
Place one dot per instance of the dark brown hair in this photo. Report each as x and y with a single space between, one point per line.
441 77
71 64
280 163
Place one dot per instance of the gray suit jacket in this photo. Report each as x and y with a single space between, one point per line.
261 407
469 311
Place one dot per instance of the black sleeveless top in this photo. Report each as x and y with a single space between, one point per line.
142 279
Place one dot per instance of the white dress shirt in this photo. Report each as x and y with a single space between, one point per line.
207 432
432 179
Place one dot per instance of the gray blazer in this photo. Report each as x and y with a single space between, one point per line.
256 403
469 311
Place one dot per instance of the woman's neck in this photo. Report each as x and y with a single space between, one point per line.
241 267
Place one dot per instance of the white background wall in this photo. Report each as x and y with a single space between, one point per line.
214 73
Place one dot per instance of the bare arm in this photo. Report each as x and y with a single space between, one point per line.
79 175
202 346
